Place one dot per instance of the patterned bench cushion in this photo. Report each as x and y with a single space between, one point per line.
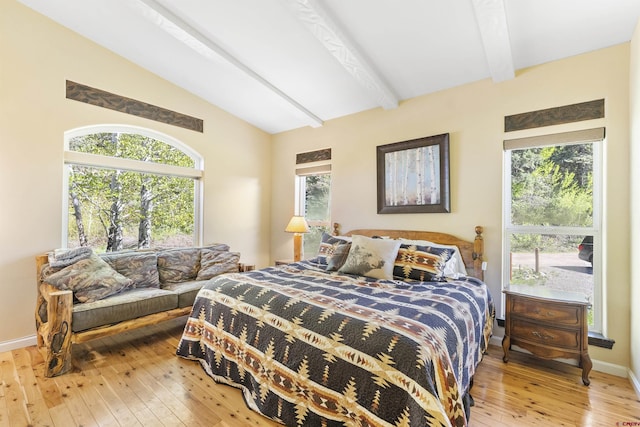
125 306
186 291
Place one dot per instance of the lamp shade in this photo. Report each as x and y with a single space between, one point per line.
297 225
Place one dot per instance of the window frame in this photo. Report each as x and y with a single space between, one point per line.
107 162
300 192
300 186
596 137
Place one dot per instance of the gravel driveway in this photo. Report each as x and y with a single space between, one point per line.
562 271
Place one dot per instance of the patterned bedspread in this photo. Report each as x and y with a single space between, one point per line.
314 348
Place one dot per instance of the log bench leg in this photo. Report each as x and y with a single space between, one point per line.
57 344
41 318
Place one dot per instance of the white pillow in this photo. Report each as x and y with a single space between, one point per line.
371 257
454 268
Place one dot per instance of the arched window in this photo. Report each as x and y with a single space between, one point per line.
130 188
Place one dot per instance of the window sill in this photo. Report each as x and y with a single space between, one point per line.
595 339
599 340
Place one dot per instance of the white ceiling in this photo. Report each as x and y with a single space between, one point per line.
285 64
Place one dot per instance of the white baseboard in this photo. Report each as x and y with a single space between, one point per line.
18 343
610 368
497 341
634 382
606 367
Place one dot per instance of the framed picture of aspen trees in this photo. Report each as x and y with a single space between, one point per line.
413 176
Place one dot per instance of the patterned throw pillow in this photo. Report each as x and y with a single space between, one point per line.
216 246
371 257
60 258
178 265
423 263
141 267
339 256
454 268
90 279
213 263
328 245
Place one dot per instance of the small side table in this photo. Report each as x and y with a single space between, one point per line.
550 324
245 267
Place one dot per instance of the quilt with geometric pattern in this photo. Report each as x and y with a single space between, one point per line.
315 348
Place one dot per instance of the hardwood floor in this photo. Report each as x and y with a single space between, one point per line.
135 379
531 392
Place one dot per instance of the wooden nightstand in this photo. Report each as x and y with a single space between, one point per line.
550 324
246 267
283 262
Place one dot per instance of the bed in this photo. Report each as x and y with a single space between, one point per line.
314 345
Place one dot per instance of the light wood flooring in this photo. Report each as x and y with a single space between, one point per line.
135 379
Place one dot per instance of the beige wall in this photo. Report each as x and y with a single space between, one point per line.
36 57
634 115
473 116
248 206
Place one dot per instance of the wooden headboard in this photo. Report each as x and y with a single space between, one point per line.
471 251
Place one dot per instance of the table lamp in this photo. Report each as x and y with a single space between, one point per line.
297 226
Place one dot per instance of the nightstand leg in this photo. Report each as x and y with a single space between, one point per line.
585 361
506 344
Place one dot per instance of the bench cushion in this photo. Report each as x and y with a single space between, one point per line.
125 306
186 291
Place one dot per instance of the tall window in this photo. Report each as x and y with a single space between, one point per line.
129 188
553 237
313 188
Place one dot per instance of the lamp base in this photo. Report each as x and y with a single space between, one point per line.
297 247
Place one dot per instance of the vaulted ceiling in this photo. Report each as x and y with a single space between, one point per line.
285 64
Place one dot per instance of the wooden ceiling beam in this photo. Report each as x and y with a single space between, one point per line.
321 24
185 33
494 31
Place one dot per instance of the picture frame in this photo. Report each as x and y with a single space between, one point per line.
413 176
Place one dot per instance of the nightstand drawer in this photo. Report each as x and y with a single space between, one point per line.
555 337
553 313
